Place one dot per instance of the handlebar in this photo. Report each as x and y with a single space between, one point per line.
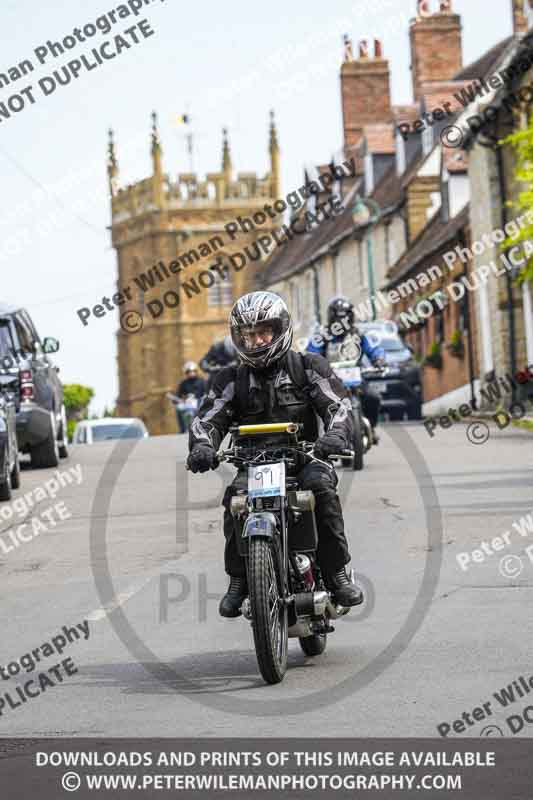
381 371
306 450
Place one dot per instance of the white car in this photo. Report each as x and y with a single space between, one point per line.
100 430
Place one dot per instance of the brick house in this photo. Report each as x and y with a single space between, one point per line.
505 310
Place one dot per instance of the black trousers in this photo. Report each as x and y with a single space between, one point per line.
371 403
332 552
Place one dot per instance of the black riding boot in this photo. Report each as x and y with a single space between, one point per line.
344 592
230 605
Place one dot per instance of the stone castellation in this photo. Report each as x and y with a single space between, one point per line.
365 90
436 45
162 221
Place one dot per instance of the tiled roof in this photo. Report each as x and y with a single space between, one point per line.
486 63
389 192
428 242
304 248
435 94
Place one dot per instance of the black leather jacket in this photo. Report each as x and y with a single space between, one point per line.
272 396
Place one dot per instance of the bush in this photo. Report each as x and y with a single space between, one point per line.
434 357
77 398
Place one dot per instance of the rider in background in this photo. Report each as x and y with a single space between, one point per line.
341 341
191 384
221 354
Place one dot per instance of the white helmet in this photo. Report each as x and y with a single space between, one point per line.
190 366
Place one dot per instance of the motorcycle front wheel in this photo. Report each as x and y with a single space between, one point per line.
269 612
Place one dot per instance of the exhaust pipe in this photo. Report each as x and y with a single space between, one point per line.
323 605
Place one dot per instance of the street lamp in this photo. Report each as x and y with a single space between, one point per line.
366 212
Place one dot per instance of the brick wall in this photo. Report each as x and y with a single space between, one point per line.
365 94
436 50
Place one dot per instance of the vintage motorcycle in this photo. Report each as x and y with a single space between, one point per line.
277 535
350 374
352 377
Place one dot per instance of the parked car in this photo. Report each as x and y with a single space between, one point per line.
9 452
90 431
26 366
401 388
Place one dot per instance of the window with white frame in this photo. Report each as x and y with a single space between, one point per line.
400 154
220 293
311 293
337 279
427 140
369 174
361 245
296 303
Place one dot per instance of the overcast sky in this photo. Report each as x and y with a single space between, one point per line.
226 64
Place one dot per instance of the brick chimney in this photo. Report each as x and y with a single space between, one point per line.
436 45
519 18
365 90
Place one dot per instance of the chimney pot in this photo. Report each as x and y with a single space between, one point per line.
365 92
436 46
423 9
519 18
348 48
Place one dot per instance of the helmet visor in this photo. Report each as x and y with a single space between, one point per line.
259 338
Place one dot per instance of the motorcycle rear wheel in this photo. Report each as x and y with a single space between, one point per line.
269 613
314 645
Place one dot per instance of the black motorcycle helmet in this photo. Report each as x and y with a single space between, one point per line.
340 309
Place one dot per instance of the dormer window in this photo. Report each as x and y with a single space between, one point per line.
445 192
369 174
427 140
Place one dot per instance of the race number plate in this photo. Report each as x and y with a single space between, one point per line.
350 376
379 386
266 480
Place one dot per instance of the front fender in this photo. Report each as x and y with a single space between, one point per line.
261 523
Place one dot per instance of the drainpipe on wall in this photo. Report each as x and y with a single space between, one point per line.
508 276
468 323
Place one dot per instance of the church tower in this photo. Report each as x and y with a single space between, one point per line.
167 235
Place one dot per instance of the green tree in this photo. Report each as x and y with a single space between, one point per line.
76 398
522 142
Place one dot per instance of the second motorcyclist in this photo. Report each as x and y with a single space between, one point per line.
341 341
220 354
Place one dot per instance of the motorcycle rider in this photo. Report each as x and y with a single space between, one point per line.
264 388
220 354
341 341
191 384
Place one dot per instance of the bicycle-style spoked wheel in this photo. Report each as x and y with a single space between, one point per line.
269 612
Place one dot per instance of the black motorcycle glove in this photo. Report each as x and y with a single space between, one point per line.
202 458
328 444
